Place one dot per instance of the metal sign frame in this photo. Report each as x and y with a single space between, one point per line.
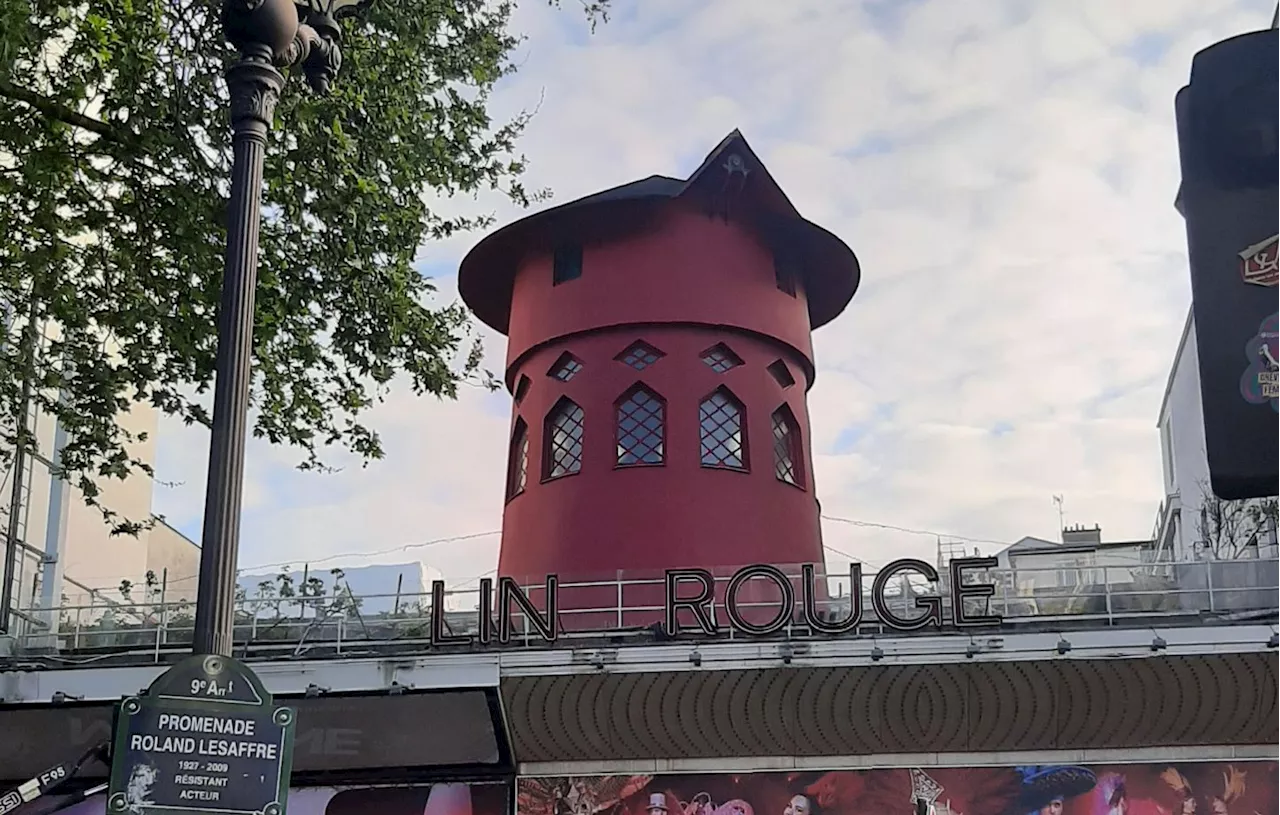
179 774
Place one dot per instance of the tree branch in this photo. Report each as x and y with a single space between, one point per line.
61 113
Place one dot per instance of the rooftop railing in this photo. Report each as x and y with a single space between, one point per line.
627 609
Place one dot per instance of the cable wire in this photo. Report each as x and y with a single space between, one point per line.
910 531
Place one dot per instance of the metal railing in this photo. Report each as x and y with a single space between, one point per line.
628 609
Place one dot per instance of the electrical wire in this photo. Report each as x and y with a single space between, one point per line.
402 548
928 532
356 554
476 535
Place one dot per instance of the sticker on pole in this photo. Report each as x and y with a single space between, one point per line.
205 737
1259 263
1260 382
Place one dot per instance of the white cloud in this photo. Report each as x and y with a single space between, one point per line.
1005 172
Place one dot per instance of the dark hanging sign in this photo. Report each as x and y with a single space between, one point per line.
1227 141
205 737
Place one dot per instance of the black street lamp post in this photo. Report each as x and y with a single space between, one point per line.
267 33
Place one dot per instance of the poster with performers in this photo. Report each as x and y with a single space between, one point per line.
418 799
1182 788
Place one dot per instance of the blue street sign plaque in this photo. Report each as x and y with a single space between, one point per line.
205 737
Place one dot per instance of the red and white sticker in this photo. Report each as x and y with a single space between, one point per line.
1258 263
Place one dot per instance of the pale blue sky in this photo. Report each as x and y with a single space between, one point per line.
1005 172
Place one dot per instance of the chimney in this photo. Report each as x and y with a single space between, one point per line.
1082 534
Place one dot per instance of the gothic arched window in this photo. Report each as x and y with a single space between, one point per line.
641 427
562 439
518 459
721 425
788 454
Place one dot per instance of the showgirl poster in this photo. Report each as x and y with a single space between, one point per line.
1183 788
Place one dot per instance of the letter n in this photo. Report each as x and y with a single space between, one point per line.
509 590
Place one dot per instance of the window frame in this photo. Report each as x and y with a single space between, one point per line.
743 440
563 404
518 467
1170 465
785 416
626 397
725 354
784 272
566 263
779 369
622 355
563 362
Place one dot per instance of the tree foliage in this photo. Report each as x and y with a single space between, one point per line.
1229 530
114 177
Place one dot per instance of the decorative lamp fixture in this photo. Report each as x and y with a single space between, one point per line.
877 654
1158 643
1064 645
333 9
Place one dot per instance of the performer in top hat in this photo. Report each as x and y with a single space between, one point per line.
1045 790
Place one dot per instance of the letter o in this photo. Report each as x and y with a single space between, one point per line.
785 609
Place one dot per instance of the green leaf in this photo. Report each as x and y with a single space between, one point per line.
115 161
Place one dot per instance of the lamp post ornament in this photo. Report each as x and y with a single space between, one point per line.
206 734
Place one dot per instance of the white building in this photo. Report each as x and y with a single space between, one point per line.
1081 560
67 555
1188 524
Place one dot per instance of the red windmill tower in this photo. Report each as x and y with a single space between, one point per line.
658 355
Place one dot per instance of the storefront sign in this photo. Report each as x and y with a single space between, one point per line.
694 590
204 737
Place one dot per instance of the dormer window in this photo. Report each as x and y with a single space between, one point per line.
566 264
784 273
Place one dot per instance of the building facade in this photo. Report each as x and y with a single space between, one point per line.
1191 523
658 355
68 558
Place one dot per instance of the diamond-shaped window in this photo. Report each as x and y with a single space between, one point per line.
640 430
566 367
562 437
720 419
781 374
720 359
786 447
640 355
522 388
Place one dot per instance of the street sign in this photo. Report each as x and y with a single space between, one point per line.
205 737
